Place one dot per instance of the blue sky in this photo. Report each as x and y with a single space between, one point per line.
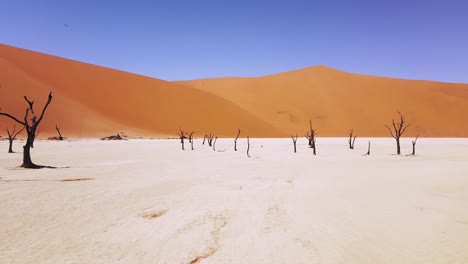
177 40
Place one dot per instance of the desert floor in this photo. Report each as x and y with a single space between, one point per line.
147 201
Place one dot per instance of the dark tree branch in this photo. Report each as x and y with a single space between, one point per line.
391 133
45 107
235 140
31 104
12 117
404 129
248 146
17 133
352 138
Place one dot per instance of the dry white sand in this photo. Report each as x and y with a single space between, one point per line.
149 202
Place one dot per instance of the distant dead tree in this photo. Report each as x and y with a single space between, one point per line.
235 140
214 143
294 139
31 129
118 136
60 134
352 138
414 145
12 136
368 150
182 135
210 138
310 135
399 128
248 146
191 138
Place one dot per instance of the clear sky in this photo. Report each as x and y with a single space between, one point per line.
188 39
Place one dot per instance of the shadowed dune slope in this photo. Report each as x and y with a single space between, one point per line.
92 101
337 101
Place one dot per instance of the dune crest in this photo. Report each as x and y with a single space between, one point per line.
93 101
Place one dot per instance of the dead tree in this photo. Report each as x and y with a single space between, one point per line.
368 150
191 138
60 134
210 138
12 136
235 140
414 145
31 128
399 128
351 139
182 135
294 139
204 138
248 146
118 136
310 135
214 143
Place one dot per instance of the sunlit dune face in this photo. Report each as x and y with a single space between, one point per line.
92 101
337 101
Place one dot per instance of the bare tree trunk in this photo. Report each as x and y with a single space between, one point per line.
311 137
191 138
27 162
414 145
210 138
60 134
235 140
214 143
294 139
10 148
398 146
399 128
204 138
182 135
352 138
368 150
248 146
35 136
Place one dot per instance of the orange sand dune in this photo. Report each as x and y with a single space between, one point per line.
337 101
92 101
